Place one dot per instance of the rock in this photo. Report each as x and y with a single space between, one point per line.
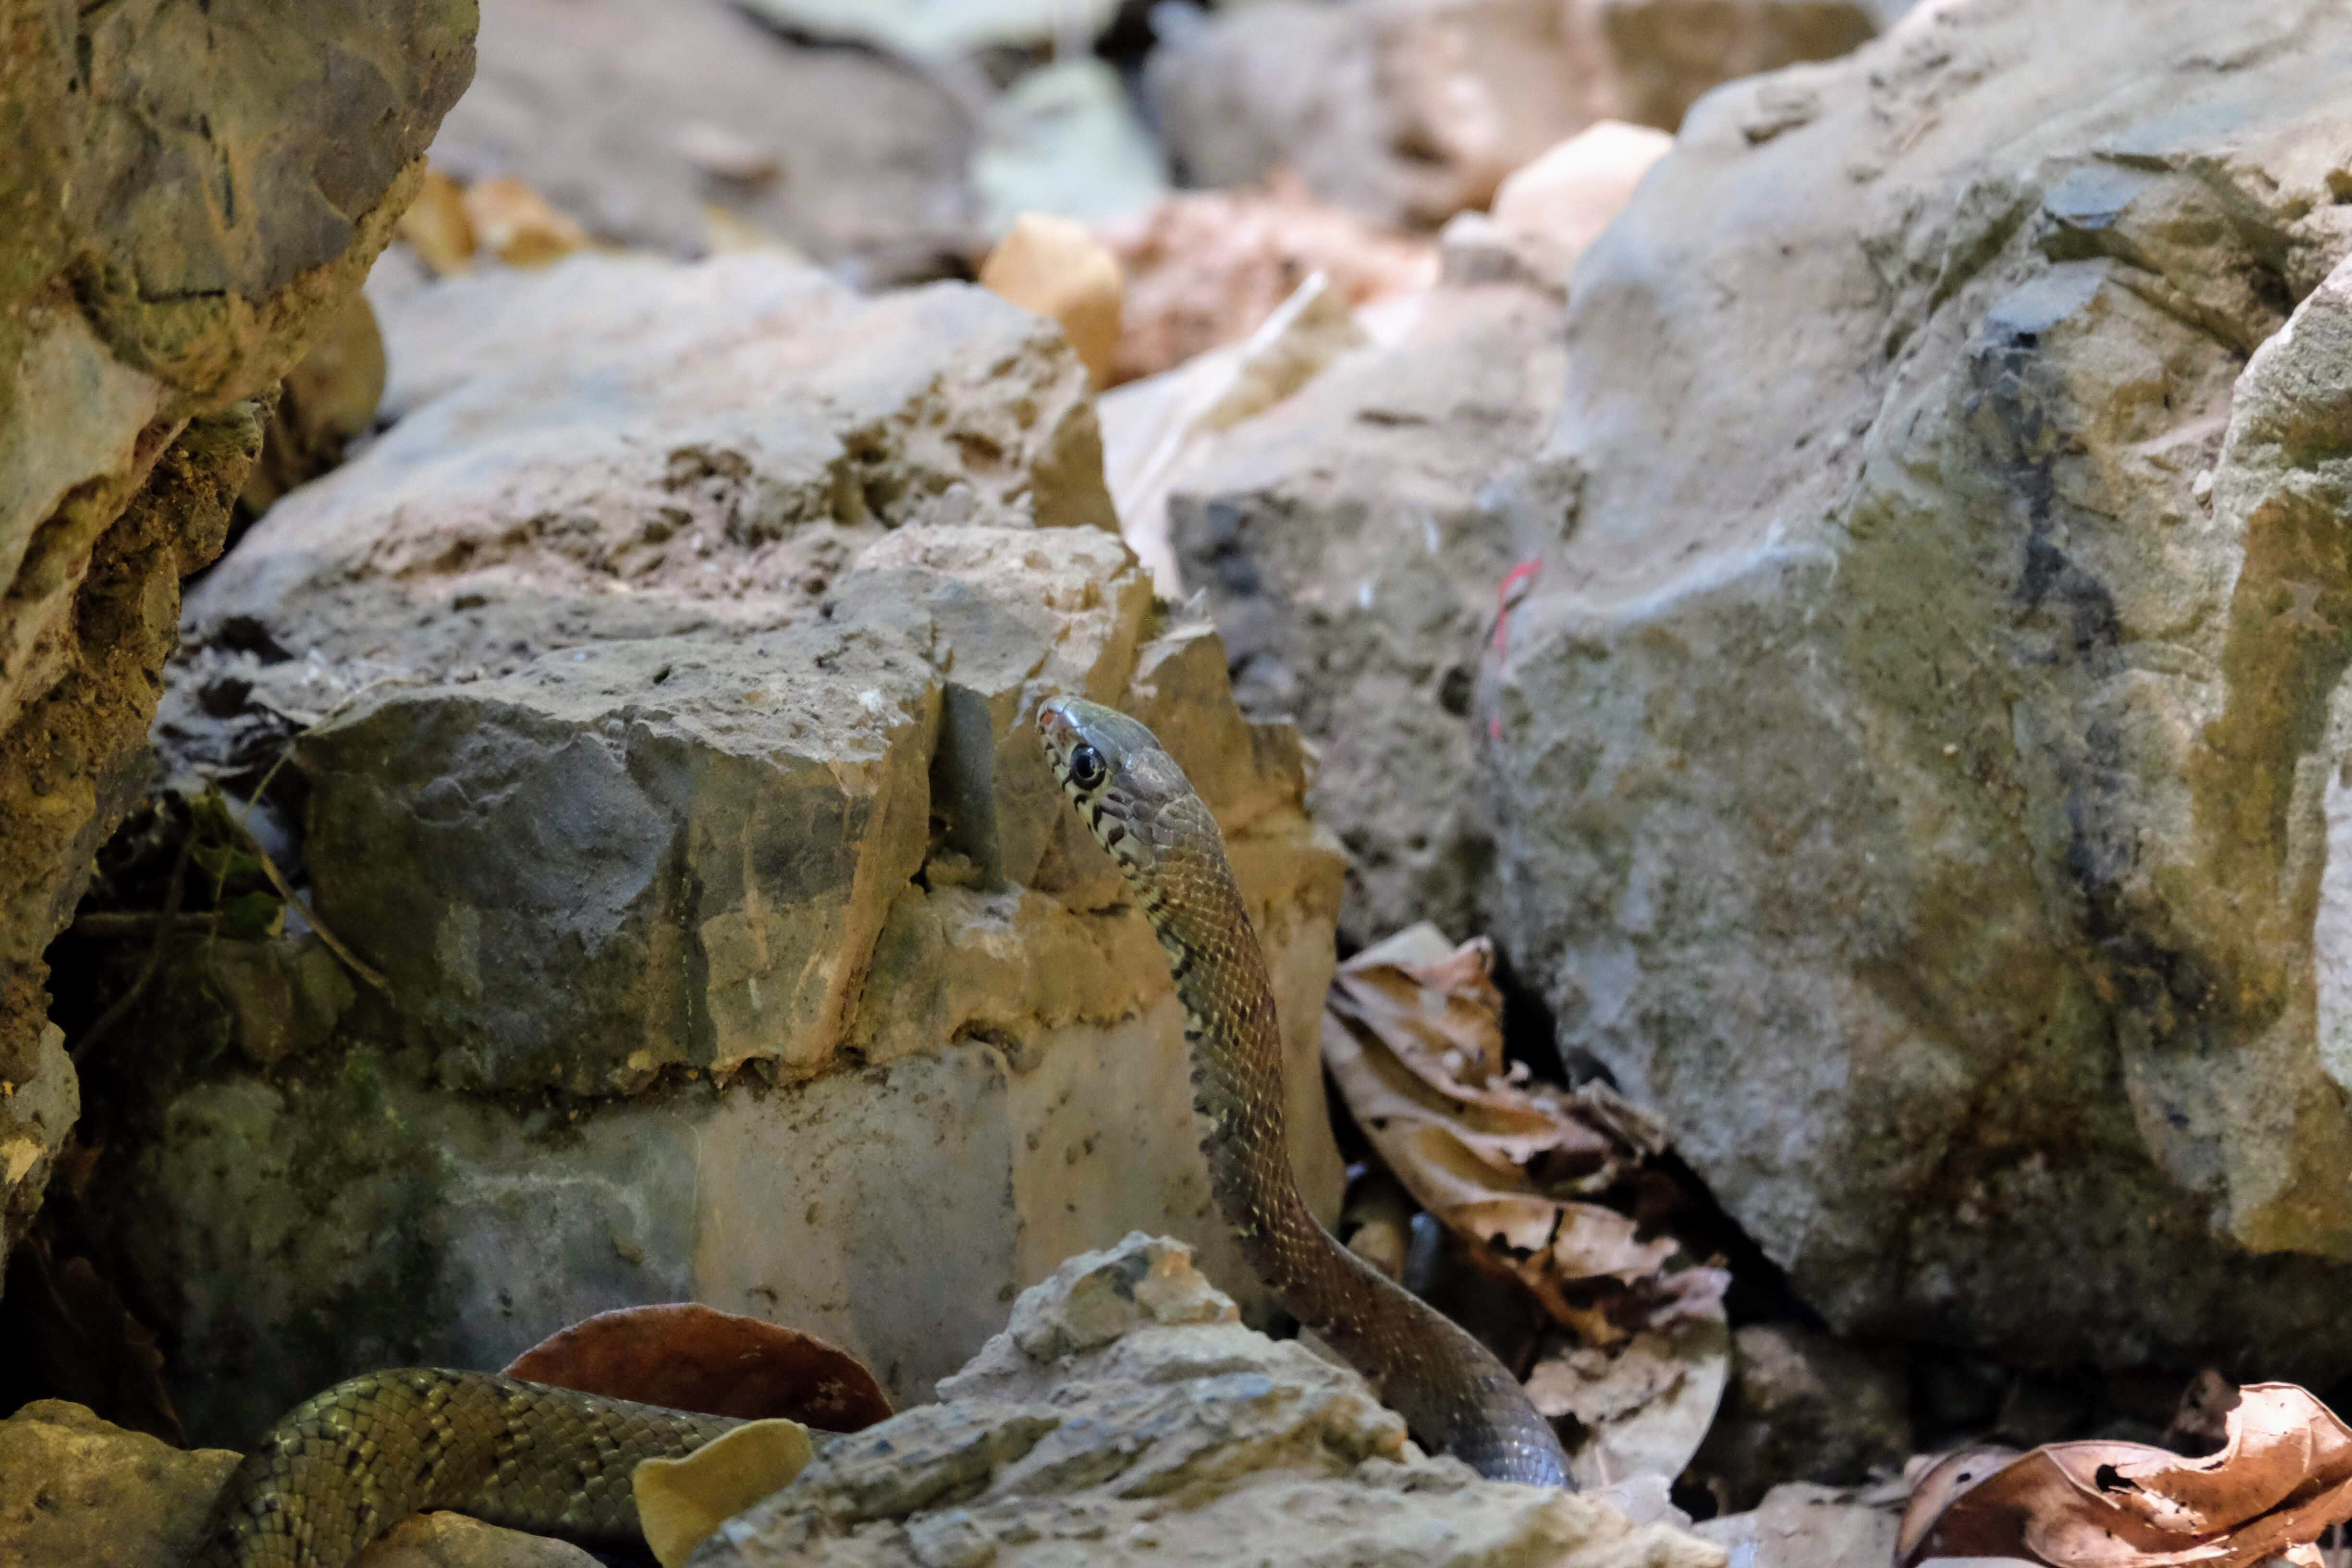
1803 1407
641 117
1065 139
78 1490
1125 1415
1900 738
1566 198
1802 1526
1351 566
1053 266
740 946
1205 269
37 1113
930 29
1416 110
75 1490
174 242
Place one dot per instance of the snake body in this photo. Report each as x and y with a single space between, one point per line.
352 1462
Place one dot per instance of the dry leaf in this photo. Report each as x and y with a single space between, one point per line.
519 226
682 1501
687 1356
1645 1404
1412 1036
2282 1478
436 225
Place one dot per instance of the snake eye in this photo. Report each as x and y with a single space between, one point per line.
1086 769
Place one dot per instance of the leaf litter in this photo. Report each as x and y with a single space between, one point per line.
1413 1037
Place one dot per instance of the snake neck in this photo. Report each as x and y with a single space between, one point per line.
1237 1079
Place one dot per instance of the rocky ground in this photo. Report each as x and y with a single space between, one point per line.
532 543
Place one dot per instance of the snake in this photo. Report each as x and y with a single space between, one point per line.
349 1464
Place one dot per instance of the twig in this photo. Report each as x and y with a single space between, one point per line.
174 893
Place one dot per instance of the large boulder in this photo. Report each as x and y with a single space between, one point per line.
1125 1416
666 683
1918 763
191 194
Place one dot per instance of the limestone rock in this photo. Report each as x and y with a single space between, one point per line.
1065 139
1124 1416
173 238
1351 565
75 1490
36 1112
639 117
740 946
325 402
1804 1526
1416 110
1919 763
1803 1407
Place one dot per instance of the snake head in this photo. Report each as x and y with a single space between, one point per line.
1116 772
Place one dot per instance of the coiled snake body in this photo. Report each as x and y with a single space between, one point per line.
352 1462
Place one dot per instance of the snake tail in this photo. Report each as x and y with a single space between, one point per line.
1453 1393
349 1464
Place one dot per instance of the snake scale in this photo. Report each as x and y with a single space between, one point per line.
354 1461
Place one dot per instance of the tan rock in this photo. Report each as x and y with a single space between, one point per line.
325 402
141 308
1567 196
1125 1416
1055 267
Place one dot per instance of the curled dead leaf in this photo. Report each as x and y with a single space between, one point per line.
687 1356
2283 1476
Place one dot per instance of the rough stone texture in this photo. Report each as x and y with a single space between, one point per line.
1803 1526
1803 1407
1416 110
740 945
36 1115
1125 1417
1351 568
1918 771
170 247
634 115
79 1493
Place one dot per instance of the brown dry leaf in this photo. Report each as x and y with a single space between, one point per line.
1412 1035
436 225
682 1501
1645 1404
519 226
2283 1476
687 1356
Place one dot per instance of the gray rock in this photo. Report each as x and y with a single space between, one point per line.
1804 1526
941 28
634 116
737 945
1416 110
1348 559
1803 1407
1125 1416
1918 780
192 193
